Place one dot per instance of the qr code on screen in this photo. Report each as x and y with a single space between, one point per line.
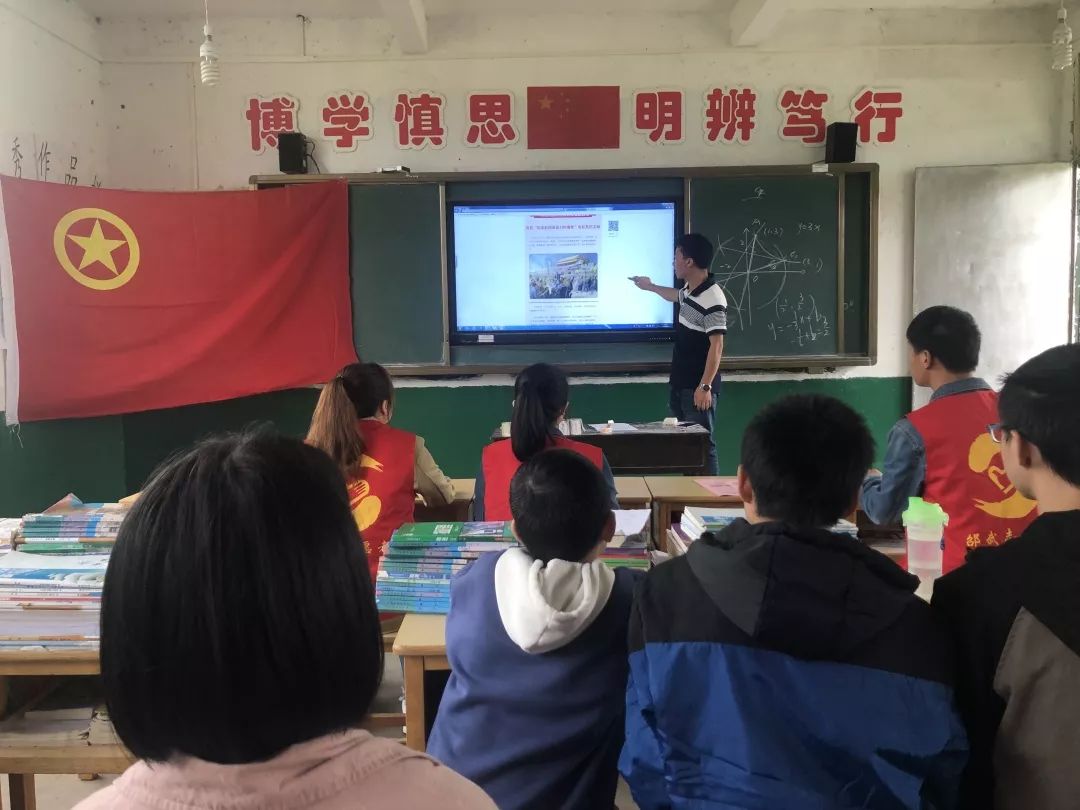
613 226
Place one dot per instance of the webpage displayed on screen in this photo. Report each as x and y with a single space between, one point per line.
535 268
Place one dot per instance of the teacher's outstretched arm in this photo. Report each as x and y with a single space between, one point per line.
667 293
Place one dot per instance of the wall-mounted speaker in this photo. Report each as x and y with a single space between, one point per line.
840 143
292 153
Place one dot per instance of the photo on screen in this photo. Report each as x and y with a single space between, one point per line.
558 276
550 271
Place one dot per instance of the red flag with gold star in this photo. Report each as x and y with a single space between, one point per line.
573 117
121 301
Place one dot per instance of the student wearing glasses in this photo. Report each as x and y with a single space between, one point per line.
942 452
1014 611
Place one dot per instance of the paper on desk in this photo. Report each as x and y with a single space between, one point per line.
631 521
720 487
617 427
631 528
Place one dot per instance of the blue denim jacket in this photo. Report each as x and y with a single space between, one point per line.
885 497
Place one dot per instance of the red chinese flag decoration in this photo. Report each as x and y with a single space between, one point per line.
573 117
120 301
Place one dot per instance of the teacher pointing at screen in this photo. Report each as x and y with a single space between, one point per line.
699 334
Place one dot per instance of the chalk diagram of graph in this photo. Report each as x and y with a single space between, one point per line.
761 281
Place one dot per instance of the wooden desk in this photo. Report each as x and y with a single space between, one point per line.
650 450
22 763
671 494
421 645
456 512
633 492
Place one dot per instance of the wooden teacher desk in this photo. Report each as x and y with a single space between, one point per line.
651 449
22 763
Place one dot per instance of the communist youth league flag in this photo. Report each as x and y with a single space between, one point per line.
573 117
120 301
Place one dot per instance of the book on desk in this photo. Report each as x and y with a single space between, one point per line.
415 572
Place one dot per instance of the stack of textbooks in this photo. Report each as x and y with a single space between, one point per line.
414 574
629 547
696 521
71 527
50 585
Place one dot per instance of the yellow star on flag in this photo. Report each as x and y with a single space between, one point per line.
96 248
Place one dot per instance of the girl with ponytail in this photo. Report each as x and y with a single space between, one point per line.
541 398
385 467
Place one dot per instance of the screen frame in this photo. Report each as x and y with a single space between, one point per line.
540 337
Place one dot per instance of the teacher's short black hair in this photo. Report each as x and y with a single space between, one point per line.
950 335
238 615
806 456
697 248
560 503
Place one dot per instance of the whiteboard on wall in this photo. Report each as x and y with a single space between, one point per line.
997 241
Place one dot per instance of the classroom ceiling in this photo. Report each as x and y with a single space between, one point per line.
373 8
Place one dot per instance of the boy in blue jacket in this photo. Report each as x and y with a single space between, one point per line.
780 665
534 709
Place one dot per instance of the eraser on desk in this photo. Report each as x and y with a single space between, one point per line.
671 421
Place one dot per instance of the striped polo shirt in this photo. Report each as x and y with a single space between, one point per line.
702 312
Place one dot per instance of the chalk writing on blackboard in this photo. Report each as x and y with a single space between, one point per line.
800 322
754 270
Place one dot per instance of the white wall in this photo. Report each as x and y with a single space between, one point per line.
50 99
978 90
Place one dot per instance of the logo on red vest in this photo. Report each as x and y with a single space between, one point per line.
984 458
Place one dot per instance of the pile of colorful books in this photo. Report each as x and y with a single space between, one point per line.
414 574
696 521
71 527
629 547
50 585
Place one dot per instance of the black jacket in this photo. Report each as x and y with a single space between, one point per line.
1014 612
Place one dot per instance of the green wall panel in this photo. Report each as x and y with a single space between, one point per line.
40 462
104 459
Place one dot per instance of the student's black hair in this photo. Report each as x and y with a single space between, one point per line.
238 616
697 248
560 503
805 456
1041 402
950 335
357 392
540 395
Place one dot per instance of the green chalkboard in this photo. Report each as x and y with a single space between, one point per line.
777 256
796 259
396 273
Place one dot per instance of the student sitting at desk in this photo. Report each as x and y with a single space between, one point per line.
241 647
1015 610
385 467
779 665
541 397
942 451
536 638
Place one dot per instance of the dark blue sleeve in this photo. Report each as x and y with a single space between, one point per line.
478 494
885 497
641 763
609 476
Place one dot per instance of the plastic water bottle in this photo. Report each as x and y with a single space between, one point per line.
925 524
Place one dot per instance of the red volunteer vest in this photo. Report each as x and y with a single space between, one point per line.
966 476
382 497
500 464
